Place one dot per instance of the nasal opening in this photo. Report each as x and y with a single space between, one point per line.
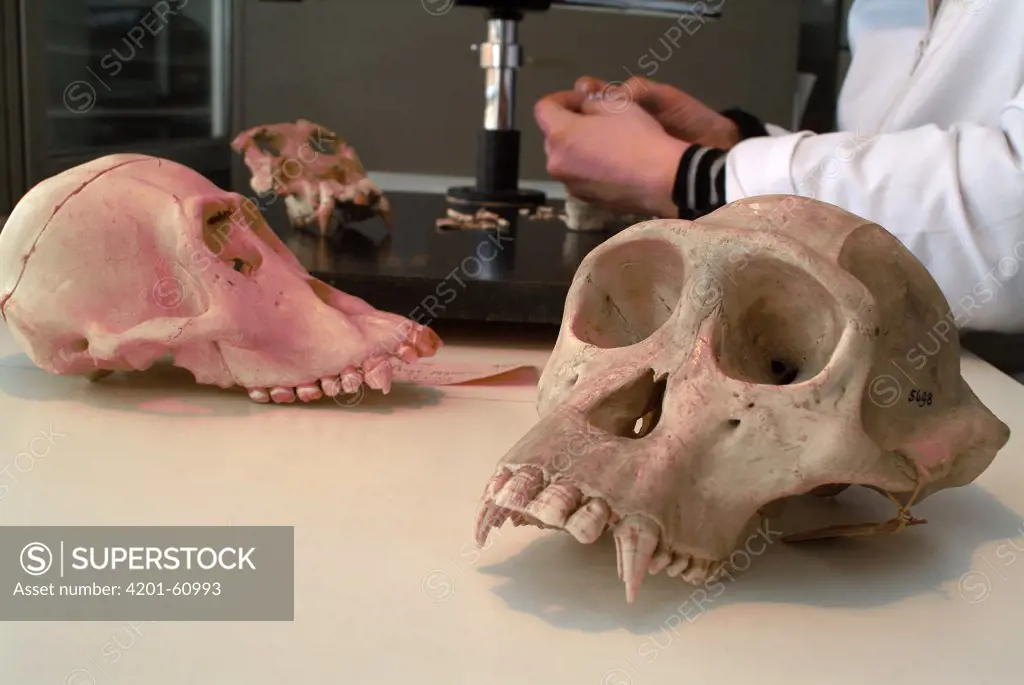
634 410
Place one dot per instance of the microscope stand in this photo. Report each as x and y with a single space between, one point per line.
517 273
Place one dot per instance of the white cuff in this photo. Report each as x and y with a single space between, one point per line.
775 131
762 166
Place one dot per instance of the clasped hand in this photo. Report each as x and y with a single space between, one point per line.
618 145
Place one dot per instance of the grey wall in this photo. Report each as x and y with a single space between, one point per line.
821 54
405 89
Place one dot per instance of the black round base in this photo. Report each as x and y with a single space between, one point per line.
471 198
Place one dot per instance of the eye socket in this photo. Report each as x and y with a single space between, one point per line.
226 234
268 142
778 325
629 293
783 372
323 142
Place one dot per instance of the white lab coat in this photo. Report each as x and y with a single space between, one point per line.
931 147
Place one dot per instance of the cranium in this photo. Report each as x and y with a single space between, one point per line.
706 370
117 262
315 171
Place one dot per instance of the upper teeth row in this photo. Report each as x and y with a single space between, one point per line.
376 374
526 497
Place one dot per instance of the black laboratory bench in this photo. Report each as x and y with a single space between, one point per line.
452 279
517 275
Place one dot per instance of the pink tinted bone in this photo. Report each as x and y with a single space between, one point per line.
314 169
118 262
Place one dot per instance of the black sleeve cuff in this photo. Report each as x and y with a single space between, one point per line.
699 185
749 125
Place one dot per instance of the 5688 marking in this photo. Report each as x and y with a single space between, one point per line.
922 398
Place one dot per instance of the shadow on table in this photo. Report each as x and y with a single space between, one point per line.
575 586
168 390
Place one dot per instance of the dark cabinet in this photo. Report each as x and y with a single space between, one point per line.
103 76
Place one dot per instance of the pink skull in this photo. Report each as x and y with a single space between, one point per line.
315 171
117 262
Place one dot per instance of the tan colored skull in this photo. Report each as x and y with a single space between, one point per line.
117 262
707 369
314 169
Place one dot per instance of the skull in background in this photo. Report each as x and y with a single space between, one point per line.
707 369
315 171
120 261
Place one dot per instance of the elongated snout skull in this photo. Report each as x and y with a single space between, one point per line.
707 369
120 261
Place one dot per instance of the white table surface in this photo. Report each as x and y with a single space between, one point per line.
390 588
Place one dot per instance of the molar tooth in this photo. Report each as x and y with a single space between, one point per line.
555 504
661 561
351 379
520 489
282 395
377 373
680 562
636 539
309 392
587 524
259 395
331 386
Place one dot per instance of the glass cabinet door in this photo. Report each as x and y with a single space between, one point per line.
127 75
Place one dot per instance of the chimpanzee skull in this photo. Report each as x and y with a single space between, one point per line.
117 262
707 369
315 171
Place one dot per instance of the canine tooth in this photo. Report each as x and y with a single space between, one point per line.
496 484
679 564
377 373
554 504
331 386
351 379
660 562
282 395
636 539
520 489
425 341
587 524
489 516
309 393
259 395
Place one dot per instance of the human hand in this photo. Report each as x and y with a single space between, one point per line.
681 115
621 160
